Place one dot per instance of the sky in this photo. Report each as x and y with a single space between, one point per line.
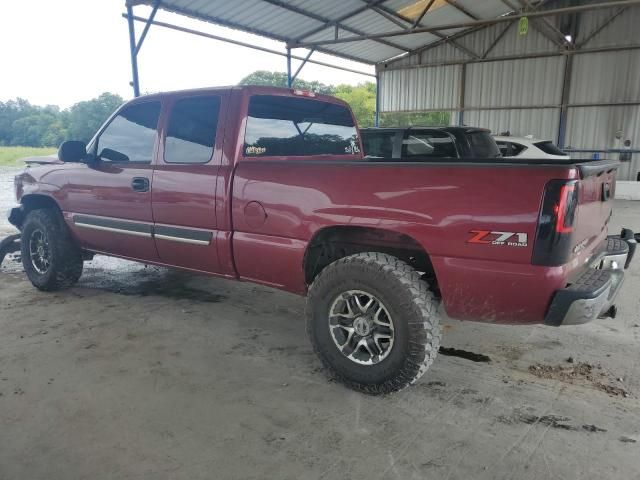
64 51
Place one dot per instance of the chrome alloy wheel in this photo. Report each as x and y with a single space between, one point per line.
39 251
361 327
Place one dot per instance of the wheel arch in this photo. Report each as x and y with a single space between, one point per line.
332 243
30 202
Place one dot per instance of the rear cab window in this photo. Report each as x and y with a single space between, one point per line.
291 127
191 130
427 144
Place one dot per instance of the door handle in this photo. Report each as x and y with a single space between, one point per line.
140 184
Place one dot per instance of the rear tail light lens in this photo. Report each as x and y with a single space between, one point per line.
566 208
556 222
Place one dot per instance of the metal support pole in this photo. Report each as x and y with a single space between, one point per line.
564 103
463 88
243 44
145 30
135 83
295 75
376 121
289 78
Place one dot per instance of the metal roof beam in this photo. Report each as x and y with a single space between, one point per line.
601 27
558 53
422 14
496 40
329 23
478 23
156 5
462 9
325 20
244 44
556 36
410 25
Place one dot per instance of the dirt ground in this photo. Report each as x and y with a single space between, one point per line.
146 373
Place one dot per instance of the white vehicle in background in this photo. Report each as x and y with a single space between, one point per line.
529 147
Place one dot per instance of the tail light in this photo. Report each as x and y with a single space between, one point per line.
555 225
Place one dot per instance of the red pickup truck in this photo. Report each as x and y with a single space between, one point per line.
270 186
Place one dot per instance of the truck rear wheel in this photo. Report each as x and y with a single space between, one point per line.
373 322
51 260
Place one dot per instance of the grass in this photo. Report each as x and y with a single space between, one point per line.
11 156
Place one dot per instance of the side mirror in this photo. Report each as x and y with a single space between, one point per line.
72 151
113 155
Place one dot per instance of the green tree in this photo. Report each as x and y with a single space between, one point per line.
10 112
23 124
84 118
279 79
362 100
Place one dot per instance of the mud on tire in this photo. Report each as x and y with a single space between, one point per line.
408 314
51 259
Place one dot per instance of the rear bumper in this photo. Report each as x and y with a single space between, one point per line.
593 294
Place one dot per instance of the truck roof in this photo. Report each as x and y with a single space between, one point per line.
250 89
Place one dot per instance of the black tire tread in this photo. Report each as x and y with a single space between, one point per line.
67 264
426 332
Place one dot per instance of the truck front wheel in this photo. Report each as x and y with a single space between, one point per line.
373 322
51 260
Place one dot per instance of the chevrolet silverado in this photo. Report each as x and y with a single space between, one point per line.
270 186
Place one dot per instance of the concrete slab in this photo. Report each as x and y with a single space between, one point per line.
141 372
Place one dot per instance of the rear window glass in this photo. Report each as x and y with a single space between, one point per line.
510 149
378 144
191 133
549 148
483 145
285 126
428 144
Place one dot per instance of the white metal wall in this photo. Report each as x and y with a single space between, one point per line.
524 96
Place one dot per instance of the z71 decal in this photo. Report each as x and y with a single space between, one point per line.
508 239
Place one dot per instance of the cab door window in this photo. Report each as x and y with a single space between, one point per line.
131 135
191 133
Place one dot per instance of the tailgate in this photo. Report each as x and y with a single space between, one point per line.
574 216
596 190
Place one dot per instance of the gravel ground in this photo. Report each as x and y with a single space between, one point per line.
141 372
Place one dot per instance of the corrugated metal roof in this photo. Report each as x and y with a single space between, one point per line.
291 20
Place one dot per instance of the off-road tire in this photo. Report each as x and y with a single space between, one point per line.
412 306
66 257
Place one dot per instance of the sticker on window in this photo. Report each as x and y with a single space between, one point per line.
251 150
352 148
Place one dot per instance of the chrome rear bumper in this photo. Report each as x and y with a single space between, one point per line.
593 294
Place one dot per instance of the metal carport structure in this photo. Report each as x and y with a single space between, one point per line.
430 55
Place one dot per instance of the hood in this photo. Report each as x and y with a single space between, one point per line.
43 160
